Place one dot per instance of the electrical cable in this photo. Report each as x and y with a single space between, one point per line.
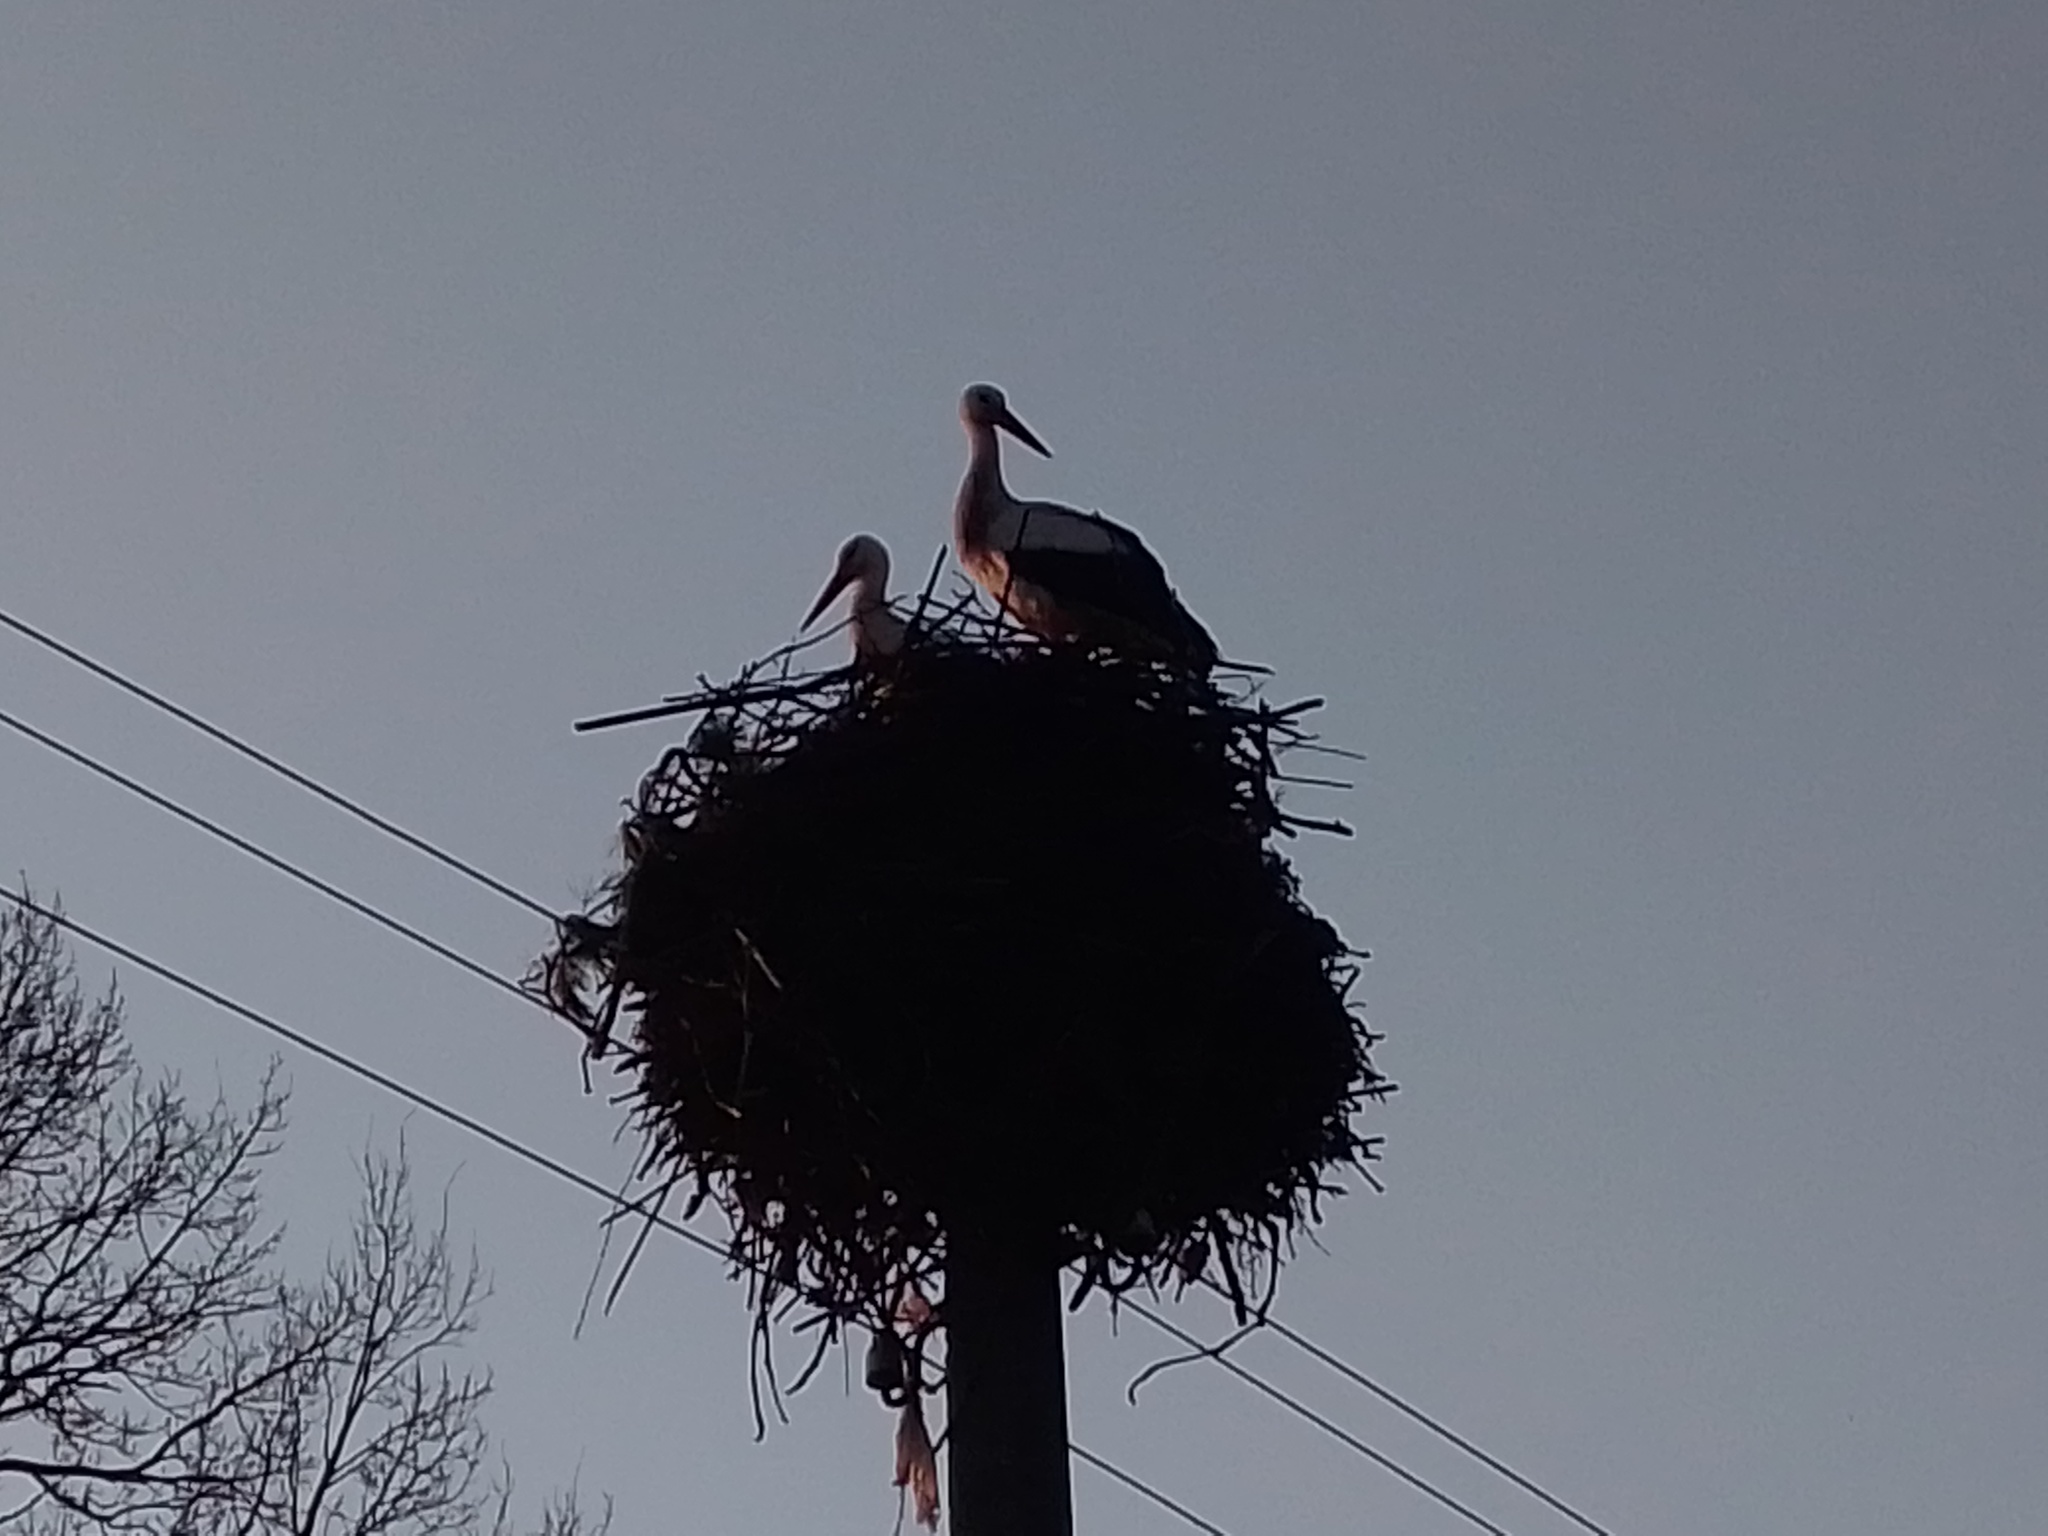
276 765
1149 1492
1443 1431
1302 1410
265 856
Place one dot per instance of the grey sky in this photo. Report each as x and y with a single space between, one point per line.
1630 417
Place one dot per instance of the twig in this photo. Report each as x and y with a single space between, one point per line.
1214 1351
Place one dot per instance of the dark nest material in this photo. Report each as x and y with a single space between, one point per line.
991 934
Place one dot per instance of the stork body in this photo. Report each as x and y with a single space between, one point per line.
1060 572
863 565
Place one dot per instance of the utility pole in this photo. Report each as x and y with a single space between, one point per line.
1006 1389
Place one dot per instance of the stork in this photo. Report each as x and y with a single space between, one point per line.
1062 573
863 565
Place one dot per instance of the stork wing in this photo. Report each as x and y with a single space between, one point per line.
1128 588
1084 562
1049 526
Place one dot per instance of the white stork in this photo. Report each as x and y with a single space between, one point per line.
1060 572
864 566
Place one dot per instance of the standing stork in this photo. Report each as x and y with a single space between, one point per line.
1062 573
863 565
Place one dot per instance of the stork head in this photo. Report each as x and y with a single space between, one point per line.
863 560
983 405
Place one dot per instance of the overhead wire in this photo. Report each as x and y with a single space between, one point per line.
467 1122
265 857
512 893
1084 1454
276 765
1443 1431
1302 1411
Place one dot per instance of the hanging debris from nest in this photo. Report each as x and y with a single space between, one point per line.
917 1459
917 1464
989 924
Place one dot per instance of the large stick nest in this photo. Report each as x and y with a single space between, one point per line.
991 933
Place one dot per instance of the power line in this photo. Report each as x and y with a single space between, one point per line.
350 1064
1393 1399
276 765
1302 1410
1095 1461
475 1127
492 883
264 856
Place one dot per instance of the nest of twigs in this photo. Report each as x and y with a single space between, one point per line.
992 933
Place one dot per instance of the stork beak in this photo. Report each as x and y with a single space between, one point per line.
841 580
1023 434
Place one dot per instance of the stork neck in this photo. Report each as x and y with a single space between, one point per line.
982 490
984 457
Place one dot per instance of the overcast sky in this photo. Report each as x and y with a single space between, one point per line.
1630 417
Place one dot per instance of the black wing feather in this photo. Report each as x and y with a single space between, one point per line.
1130 585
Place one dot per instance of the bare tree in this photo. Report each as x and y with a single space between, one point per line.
158 1372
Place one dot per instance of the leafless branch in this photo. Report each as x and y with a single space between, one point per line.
157 1371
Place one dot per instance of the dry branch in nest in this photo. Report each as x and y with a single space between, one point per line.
995 933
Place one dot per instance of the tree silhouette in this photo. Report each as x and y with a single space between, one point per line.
158 1370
